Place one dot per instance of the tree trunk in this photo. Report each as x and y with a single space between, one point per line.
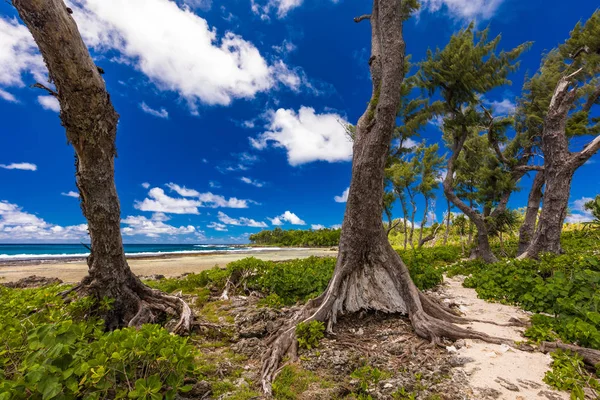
413 204
423 221
369 274
483 249
559 167
447 233
405 213
527 230
91 127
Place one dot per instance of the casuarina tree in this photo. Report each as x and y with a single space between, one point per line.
369 274
90 121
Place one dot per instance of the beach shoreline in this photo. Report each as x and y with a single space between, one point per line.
72 270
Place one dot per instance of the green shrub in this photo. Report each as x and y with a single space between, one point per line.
367 376
49 351
309 334
568 373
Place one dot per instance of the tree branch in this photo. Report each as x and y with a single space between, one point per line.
588 151
362 18
40 86
592 99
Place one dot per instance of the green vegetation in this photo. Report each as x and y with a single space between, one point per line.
48 351
568 373
309 334
297 238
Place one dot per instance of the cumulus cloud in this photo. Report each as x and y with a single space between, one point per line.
336 226
145 185
71 194
306 136
343 198
242 221
18 225
49 103
18 55
464 9
20 166
316 227
287 216
580 214
177 50
252 182
158 201
217 226
162 113
191 200
153 227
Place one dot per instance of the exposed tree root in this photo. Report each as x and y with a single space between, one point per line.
381 285
138 304
590 356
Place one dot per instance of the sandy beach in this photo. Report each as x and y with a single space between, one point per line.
74 271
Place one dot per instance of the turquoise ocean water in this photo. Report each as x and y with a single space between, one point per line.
14 252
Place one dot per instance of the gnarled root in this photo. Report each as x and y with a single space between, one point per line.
382 284
136 304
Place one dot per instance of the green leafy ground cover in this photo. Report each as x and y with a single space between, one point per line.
52 349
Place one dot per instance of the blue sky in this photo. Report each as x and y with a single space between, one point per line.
231 112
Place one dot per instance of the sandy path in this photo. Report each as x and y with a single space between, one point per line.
496 370
72 272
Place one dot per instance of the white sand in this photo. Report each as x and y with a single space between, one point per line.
498 366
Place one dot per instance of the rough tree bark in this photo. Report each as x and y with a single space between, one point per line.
483 249
560 165
447 233
91 127
413 205
424 220
369 274
527 230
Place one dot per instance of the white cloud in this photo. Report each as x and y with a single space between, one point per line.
336 226
8 96
162 113
203 5
178 50
306 136
464 9
158 201
580 213
242 221
252 182
217 226
286 47
154 227
502 108
20 166
182 190
214 184
18 55
145 185
343 198
49 103
282 7
71 194
287 216
316 227
18 225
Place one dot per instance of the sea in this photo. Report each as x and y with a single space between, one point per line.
21 252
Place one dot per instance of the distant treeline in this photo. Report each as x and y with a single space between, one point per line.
299 238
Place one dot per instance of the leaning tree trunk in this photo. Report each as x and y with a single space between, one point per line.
447 233
423 221
527 230
413 204
369 274
560 165
483 249
405 221
91 127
